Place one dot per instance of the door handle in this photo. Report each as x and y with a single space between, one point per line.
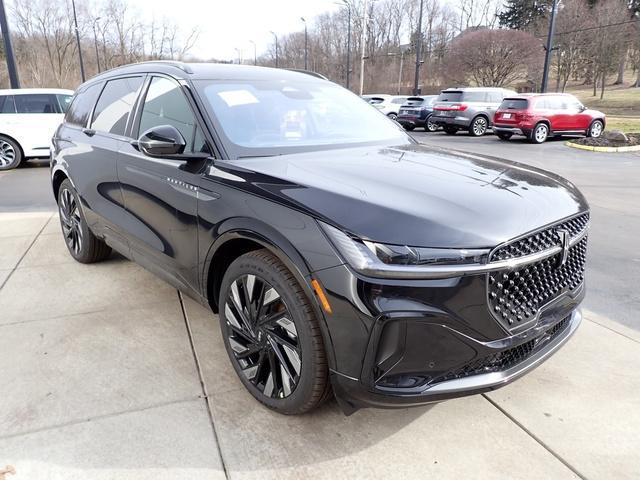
89 132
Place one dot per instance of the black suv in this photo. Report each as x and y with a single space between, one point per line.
340 255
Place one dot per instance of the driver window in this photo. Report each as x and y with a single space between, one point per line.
165 104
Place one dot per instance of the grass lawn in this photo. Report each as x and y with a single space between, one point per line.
617 101
626 124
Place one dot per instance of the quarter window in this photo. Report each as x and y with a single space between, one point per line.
63 102
35 103
115 104
7 104
165 104
82 104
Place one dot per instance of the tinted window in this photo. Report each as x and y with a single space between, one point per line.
63 102
82 104
450 97
36 103
554 103
165 104
495 97
114 105
399 101
376 100
514 104
7 105
475 96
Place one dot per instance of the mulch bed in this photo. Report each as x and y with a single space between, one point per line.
634 139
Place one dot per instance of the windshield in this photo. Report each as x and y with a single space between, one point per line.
271 117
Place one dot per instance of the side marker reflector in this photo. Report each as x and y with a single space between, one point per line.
323 298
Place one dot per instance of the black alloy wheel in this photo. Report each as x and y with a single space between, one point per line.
271 334
82 244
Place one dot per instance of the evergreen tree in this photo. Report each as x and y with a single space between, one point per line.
519 14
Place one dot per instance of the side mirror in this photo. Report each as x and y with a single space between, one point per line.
161 141
582 108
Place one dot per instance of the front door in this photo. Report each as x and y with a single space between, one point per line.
160 194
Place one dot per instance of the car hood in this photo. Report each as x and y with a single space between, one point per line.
415 195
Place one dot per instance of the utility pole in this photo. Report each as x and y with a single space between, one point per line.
416 79
255 52
276 37
305 42
95 42
345 3
547 57
8 48
75 21
363 41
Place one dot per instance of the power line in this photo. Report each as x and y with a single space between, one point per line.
596 28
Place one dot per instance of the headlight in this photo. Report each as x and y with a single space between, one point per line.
400 261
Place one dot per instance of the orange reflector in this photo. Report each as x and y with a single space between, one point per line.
323 298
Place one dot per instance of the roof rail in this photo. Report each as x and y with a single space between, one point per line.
173 63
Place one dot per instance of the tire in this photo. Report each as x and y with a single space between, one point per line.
10 153
504 135
82 244
449 130
540 133
392 115
409 128
281 361
595 129
430 127
478 126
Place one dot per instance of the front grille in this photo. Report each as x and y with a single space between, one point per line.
499 362
515 295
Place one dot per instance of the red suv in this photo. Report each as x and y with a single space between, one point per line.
540 115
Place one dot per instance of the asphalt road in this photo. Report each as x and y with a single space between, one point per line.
611 183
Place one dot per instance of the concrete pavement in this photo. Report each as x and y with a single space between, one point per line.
101 381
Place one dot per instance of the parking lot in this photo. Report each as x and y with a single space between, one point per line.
107 372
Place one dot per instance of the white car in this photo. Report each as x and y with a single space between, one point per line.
387 104
28 119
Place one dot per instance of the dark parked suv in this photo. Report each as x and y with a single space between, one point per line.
341 255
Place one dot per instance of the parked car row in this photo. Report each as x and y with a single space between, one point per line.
535 116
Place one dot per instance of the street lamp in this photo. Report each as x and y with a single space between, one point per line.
239 52
276 37
255 53
401 54
418 51
95 42
8 49
305 42
75 21
547 57
363 41
345 3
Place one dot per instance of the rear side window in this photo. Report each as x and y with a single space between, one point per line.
399 101
115 104
165 104
36 103
495 97
514 104
82 104
475 96
7 104
450 97
63 102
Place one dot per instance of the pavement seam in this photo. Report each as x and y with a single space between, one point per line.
202 382
535 438
98 417
26 251
612 330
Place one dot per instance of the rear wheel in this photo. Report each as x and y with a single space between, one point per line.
449 130
272 335
430 126
504 135
596 129
82 244
478 126
392 115
540 133
10 153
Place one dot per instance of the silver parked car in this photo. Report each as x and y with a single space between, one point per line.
470 109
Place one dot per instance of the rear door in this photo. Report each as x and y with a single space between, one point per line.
160 194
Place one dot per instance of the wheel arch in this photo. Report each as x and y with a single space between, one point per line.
13 139
57 178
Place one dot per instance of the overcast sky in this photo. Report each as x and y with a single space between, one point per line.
229 24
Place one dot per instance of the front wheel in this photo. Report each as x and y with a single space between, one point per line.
10 153
540 133
596 129
449 130
82 244
392 115
430 126
272 335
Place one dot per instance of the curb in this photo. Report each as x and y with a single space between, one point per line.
631 148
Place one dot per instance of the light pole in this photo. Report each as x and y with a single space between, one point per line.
95 42
401 54
255 53
305 42
547 57
363 41
418 51
8 49
276 37
239 52
345 3
75 22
